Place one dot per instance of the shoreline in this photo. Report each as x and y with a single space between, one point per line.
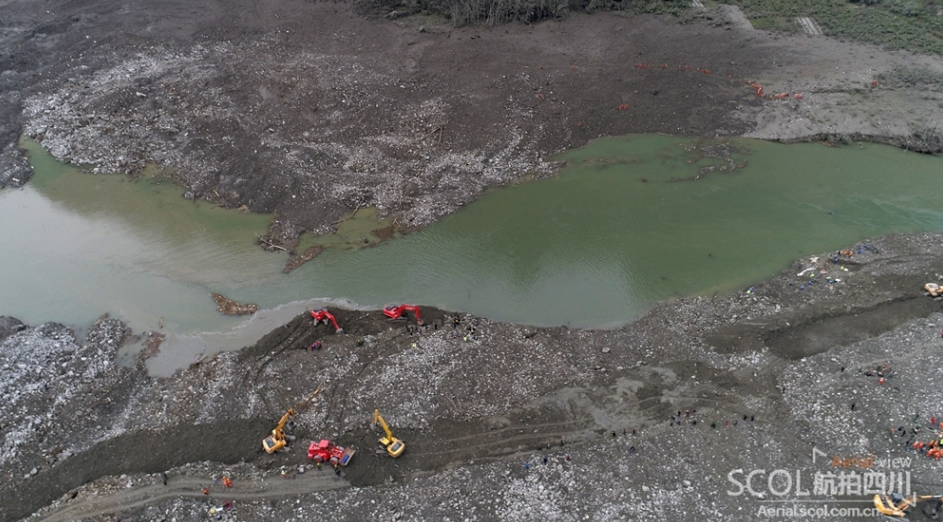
257 104
375 363
437 391
112 112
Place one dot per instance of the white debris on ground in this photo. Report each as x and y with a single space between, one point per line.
333 155
45 373
654 416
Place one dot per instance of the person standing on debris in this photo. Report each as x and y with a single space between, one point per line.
164 476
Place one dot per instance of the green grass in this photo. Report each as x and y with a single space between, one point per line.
914 25
896 24
490 12
912 77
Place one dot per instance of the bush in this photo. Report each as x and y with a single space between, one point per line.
490 12
905 7
897 24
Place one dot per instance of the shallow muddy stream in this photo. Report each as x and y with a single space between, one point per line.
632 221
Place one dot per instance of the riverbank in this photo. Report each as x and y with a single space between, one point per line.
310 111
774 370
293 109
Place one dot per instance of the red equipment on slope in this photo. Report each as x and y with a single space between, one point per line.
395 312
326 451
322 314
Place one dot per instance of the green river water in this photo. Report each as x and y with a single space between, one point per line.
631 221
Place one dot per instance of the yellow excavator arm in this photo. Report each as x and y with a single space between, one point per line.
886 504
394 446
276 440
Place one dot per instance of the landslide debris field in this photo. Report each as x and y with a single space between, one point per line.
760 379
310 110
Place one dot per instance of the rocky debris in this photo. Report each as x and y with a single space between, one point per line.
9 326
315 127
60 398
311 127
14 169
229 307
473 398
463 389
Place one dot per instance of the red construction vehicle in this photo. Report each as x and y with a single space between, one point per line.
322 314
395 312
326 451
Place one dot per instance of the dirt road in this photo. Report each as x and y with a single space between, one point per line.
135 497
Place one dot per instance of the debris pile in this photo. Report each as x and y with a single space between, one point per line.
229 307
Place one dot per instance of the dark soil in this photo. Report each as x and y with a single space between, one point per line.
482 403
311 111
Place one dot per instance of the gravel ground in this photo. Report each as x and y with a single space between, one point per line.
275 105
310 111
760 372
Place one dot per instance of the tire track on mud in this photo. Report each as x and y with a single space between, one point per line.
191 487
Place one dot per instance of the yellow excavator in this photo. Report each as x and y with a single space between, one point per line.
394 446
276 440
896 505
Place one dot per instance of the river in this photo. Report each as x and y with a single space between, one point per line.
629 222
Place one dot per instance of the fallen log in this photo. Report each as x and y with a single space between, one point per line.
303 258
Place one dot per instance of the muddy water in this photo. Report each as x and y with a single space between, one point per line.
631 221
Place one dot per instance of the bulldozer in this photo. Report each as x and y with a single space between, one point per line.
896 505
276 440
394 446
327 451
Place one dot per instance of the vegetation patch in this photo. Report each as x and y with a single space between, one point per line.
915 25
905 77
490 12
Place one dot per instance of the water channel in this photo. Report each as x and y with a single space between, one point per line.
631 221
